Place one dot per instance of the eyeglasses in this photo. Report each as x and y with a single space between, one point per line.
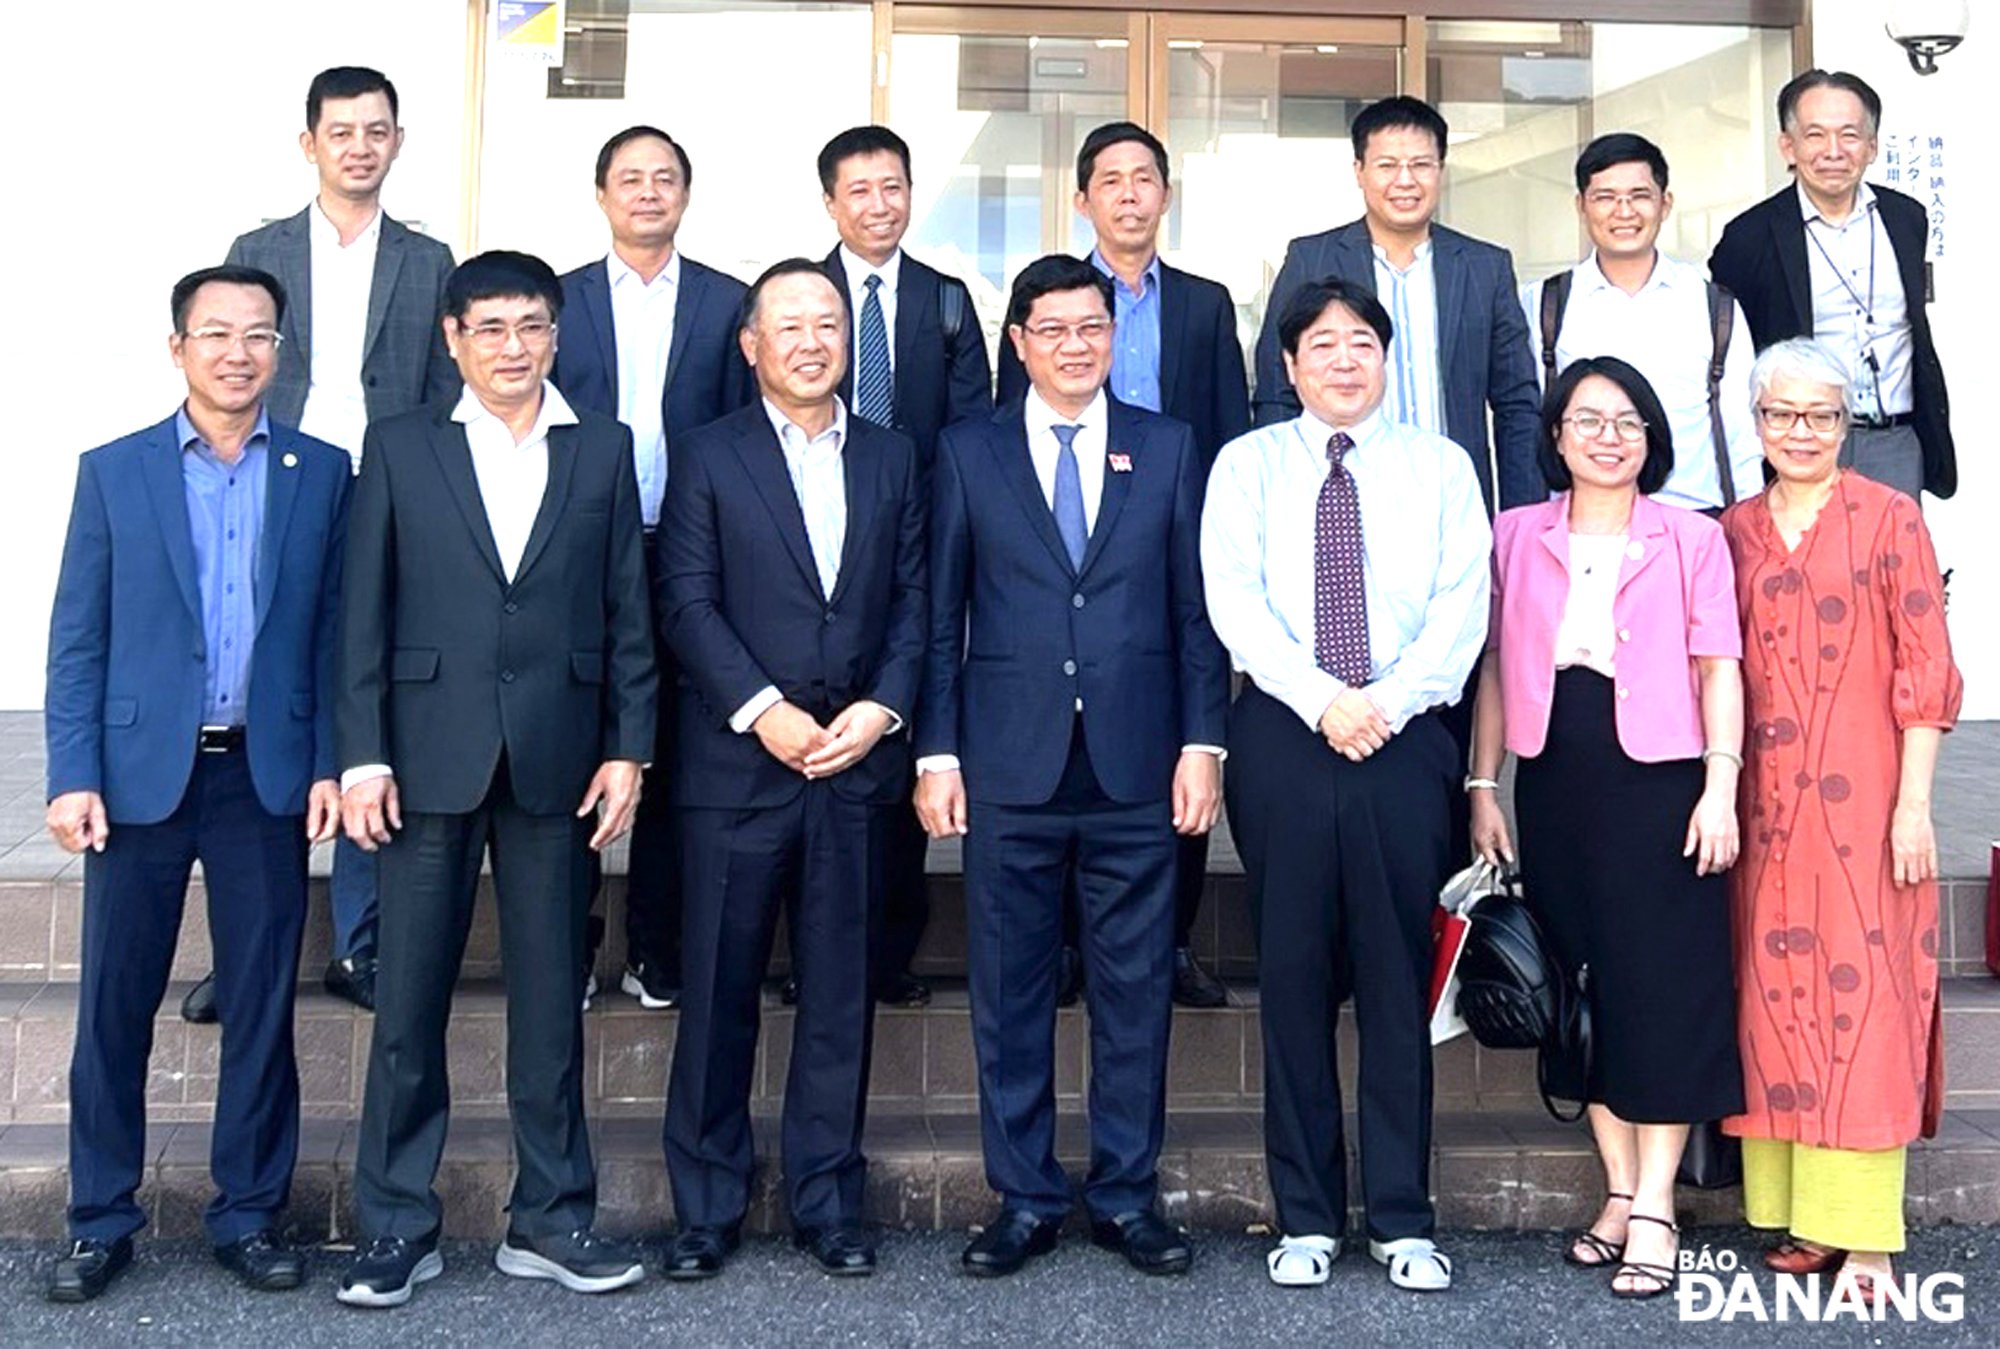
1590 425
1782 420
1638 199
1055 334
493 336
215 341
1420 168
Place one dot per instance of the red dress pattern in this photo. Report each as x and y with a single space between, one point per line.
1845 647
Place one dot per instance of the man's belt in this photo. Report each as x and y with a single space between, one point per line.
219 739
1884 423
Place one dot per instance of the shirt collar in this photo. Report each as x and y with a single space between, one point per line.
1149 279
1422 257
858 269
1315 433
1040 416
1666 272
188 438
621 271
784 426
556 411
1864 202
325 231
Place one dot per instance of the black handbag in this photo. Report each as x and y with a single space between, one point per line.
1713 1160
1514 994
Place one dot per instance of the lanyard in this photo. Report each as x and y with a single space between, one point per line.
1867 305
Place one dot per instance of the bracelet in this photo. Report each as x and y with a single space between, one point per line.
1728 754
1479 784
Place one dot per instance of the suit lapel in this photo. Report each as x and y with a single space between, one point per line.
454 456
1121 436
694 285
1788 224
1448 276
1354 255
295 275
861 471
562 451
839 275
764 460
595 293
1648 535
1173 322
916 309
1017 466
162 462
382 286
281 493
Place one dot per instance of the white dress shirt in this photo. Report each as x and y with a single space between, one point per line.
1859 309
1425 568
1415 390
1664 331
513 477
858 270
642 325
336 408
1588 633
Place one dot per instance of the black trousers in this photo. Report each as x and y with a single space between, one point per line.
824 853
906 902
254 867
430 875
1344 862
1190 879
1017 861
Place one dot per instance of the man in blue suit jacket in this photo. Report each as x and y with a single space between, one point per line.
1462 341
215 535
650 339
1072 711
792 565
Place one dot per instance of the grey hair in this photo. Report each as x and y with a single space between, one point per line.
1798 358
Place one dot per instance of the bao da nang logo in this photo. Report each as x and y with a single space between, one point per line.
1713 1286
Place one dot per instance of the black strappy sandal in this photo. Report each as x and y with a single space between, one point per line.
1658 1278
1607 1253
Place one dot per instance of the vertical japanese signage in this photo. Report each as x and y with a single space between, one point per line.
1914 165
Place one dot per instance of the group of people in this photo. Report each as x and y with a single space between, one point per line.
520 563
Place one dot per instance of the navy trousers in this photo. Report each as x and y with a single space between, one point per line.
824 854
1017 860
254 866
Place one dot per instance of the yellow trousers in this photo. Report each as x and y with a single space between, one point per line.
1830 1196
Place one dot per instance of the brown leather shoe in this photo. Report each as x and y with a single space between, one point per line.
1791 1257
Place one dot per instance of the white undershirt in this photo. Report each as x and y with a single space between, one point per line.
1588 634
336 407
642 328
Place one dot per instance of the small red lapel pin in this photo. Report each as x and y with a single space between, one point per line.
1120 463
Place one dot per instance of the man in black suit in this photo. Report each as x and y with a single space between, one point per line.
919 364
652 342
1176 352
792 590
1074 695
496 688
1836 259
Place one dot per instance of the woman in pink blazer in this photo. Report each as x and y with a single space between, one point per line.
1613 673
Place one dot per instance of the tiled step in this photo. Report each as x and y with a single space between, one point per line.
923 1058
1513 1170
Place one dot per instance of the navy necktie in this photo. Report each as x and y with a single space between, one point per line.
1340 601
1068 503
873 390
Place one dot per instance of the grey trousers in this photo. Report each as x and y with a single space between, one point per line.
1891 455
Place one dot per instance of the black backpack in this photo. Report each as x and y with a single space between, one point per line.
1514 994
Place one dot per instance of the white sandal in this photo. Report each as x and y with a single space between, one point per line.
1302 1262
1414 1263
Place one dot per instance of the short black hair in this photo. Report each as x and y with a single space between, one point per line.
1620 147
1309 301
746 316
347 82
1050 274
1118 133
635 133
1392 114
501 274
1804 83
859 140
1659 465
228 275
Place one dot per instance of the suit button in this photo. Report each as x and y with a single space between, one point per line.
1076 601
1069 667
511 607
197 658
829 615
506 676
371 381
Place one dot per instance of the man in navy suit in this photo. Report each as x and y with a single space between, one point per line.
1073 706
792 589
1176 352
1461 339
650 338
216 535
919 364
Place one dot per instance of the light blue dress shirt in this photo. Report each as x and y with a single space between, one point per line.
225 506
1135 350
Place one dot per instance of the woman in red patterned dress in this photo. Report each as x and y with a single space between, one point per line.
1850 687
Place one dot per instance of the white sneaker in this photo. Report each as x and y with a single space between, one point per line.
1414 1263
1302 1262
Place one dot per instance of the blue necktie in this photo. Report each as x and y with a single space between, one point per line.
872 390
1069 495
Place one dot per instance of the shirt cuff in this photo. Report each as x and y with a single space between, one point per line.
895 717
361 773
760 702
1315 694
1218 751
937 763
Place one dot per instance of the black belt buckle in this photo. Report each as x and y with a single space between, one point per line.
1882 422
219 739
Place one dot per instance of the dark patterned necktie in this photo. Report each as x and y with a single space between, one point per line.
1340 603
874 390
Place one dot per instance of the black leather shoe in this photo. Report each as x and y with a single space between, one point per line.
580 1261
1195 986
699 1252
651 985
1070 987
263 1261
352 979
388 1271
904 990
199 1005
1012 1239
88 1269
842 1249
1146 1240
788 993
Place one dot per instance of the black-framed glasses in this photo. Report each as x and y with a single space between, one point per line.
1819 420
